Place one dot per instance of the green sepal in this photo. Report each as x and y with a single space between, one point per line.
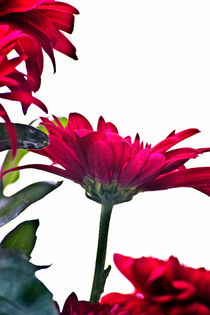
21 292
23 237
11 207
28 137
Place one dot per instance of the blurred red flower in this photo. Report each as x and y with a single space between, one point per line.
165 287
43 22
74 307
27 27
110 166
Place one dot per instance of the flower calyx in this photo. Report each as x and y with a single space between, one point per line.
111 193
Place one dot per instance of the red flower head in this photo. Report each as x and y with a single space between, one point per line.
43 22
110 167
74 307
27 27
169 286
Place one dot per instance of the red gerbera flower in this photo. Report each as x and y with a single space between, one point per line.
43 22
168 286
114 168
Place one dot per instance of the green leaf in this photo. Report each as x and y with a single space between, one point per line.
28 137
11 162
11 207
21 292
23 237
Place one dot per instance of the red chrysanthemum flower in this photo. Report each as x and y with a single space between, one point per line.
43 22
167 286
110 167
74 307
28 27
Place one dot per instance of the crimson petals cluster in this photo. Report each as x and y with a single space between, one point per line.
32 26
43 22
162 287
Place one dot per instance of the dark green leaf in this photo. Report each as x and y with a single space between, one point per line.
11 207
28 137
21 292
23 237
11 162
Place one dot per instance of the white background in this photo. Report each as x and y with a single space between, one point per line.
145 66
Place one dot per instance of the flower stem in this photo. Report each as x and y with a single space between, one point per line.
101 274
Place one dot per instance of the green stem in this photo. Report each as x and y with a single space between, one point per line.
100 274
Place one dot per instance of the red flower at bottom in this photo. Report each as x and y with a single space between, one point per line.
166 287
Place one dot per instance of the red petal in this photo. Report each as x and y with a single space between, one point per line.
106 126
178 157
62 154
100 161
25 98
34 63
12 6
194 177
7 37
173 139
121 154
164 145
78 121
125 265
128 303
9 82
182 152
52 128
186 133
58 6
113 137
65 46
40 29
133 167
70 303
83 144
150 170
8 66
203 188
62 20
136 144
48 168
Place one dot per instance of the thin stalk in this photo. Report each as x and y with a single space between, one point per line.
101 274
